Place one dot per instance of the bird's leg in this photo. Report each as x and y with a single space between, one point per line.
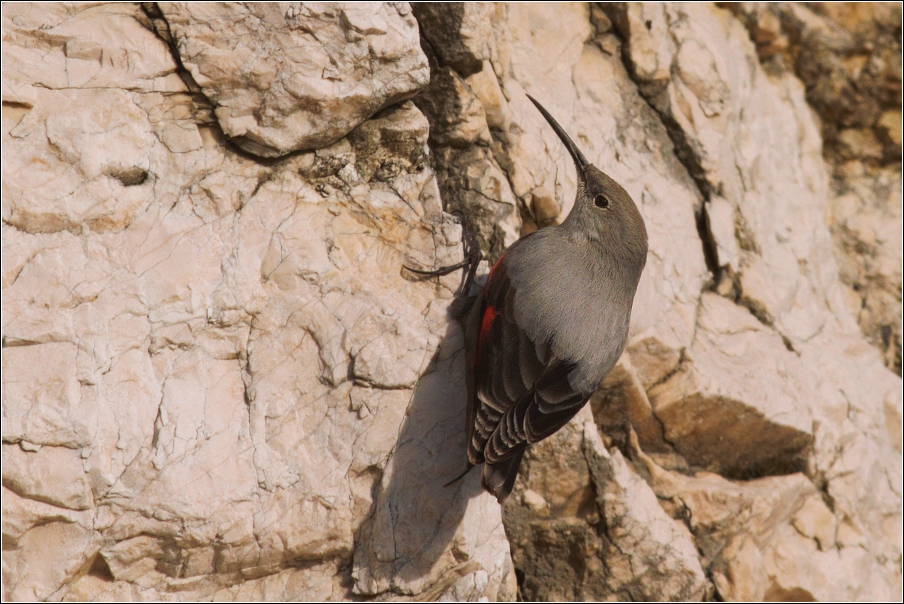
472 253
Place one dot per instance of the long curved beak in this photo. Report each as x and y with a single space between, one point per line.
578 157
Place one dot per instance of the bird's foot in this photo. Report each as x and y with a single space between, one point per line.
473 256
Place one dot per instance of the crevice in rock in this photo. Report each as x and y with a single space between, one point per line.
710 251
16 105
686 156
682 149
161 28
762 315
780 465
130 177
448 103
15 342
101 570
204 107
849 64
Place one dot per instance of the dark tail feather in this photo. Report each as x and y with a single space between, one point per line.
460 476
499 478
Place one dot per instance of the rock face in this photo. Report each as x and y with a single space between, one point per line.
210 360
298 78
219 381
849 59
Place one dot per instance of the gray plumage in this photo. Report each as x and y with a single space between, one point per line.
551 322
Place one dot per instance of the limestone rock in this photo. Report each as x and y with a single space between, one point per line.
51 474
220 383
595 508
461 33
213 355
849 58
740 401
457 117
767 538
422 531
285 78
720 110
472 183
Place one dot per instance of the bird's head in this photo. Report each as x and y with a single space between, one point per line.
603 211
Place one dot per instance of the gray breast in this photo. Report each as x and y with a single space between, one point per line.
569 296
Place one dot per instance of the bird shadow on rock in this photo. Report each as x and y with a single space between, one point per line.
404 547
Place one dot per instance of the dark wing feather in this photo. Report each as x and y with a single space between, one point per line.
521 393
548 406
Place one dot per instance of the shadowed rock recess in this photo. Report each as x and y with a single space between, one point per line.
219 382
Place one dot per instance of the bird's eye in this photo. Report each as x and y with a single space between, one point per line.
601 201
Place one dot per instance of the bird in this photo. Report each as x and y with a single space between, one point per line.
550 323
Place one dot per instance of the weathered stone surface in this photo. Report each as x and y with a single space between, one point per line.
219 382
215 356
597 510
740 402
768 538
460 112
424 532
763 235
461 34
284 78
51 474
849 59
46 558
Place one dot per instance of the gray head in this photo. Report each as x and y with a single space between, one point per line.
603 211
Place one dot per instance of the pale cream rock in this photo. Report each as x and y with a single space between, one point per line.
323 582
422 532
21 514
136 346
601 510
46 557
752 141
55 475
730 116
238 374
66 177
815 520
40 404
285 78
741 399
81 45
651 49
651 554
744 577
769 538
721 218
485 85
131 559
535 502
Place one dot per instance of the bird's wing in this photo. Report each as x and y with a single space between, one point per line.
521 391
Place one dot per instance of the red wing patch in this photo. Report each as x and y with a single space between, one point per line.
485 323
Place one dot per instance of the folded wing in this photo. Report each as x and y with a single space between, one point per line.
521 391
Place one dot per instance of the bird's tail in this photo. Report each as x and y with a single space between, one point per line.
499 478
